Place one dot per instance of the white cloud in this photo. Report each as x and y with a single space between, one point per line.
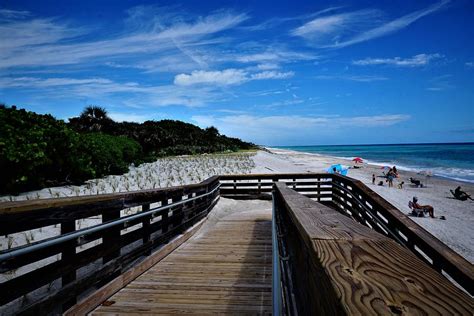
268 66
226 77
337 30
131 94
6 14
415 61
470 64
440 83
261 129
272 75
324 28
358 78
274 56
220 78
48 35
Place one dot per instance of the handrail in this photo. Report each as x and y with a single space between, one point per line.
392 221
276 277
119 241
5 255
342 267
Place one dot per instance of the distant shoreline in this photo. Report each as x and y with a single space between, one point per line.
445 163
456 231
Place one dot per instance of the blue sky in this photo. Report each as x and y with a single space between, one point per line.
275 73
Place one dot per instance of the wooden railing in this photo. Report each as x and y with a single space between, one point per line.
353 198
340 267
49 275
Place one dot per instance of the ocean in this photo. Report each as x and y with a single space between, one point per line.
454 161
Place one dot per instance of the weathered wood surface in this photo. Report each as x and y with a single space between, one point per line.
442 257
225 270
24 215
350 269
93 300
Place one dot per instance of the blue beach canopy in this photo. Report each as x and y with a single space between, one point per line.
339 169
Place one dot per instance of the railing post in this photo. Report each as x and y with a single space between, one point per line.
177 212
66 256
146 226
111 237
164 216
318 180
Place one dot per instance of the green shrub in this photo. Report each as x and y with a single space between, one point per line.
38 151
108 154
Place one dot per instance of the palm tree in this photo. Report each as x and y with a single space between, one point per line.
93 118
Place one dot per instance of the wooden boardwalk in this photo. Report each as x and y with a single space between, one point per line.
226 269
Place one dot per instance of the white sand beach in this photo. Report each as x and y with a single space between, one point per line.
457 231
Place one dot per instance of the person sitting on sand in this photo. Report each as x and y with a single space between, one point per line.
460 194
425 208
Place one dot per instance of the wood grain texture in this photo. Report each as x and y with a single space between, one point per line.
99 296
226 270
381 277
350 269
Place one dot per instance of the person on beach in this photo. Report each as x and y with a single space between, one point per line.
425 208
461 195
373 178
395 171
390 177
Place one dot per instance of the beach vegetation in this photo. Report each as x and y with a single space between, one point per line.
39 151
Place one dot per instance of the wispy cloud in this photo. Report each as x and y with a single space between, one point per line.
261 128
324 28
48 35
131 94
345 29
440 83
470 64
415 61
226 77
358 78
6 14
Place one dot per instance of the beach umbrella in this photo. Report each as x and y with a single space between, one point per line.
338 168
358 160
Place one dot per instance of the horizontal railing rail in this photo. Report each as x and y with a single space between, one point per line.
340 267
355 199
48 275
367 207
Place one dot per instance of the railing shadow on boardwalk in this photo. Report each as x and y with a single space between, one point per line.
119 241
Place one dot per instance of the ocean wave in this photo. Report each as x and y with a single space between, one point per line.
458 174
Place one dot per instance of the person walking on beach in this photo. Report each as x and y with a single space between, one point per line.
373 178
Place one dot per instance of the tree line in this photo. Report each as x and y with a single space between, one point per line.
38 150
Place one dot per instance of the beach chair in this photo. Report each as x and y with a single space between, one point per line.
416 182
418 212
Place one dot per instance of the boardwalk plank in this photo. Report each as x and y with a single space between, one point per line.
227 270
